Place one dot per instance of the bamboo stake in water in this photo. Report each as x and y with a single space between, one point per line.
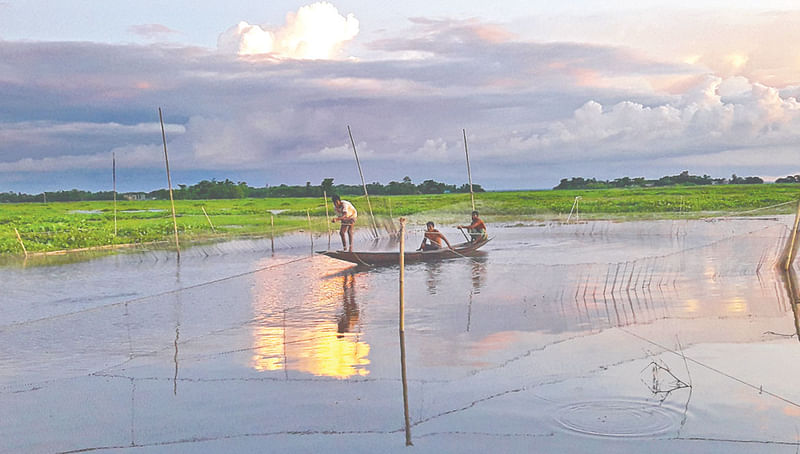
327 216
310 232
19 238
363 183
402 332
792 249
469 172
272 231
169 184
574 208
114 178
402 271
208 219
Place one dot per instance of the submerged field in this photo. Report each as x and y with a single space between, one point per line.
662 336
73 225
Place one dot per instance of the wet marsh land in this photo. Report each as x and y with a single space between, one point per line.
72 225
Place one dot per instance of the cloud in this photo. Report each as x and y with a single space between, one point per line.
32 142
700 124
535 112
314 32
727 42
151 31
433 151
129 157
341 153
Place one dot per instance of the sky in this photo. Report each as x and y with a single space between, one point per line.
264 92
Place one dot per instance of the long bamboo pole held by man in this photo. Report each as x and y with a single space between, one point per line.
469 172
363 183
169 184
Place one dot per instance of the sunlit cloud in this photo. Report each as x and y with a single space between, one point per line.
725 42
315 32
539 110
701 123
246 39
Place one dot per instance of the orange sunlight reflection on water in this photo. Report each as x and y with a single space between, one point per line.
329 348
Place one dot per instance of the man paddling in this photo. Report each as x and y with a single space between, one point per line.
345 213
432 240
476 230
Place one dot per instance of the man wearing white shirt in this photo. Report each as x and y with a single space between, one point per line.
345 213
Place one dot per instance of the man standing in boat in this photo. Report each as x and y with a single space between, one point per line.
476 230
345 213
433 239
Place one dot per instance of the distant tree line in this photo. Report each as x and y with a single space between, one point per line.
73 195
672 180
789 179
237 190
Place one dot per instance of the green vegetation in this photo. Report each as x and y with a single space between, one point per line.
682 179
227 189
70 225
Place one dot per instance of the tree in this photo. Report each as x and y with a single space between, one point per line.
327 186
431 187
789 179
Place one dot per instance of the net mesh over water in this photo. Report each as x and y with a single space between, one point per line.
236 342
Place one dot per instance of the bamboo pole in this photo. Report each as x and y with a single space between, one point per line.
327 216
790 282
19 238
363 183
209 220
402 332
272 231
791 249
574 209
114 178
402 272
310 232
169 184
469 172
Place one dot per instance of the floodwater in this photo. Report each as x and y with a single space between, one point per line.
659 336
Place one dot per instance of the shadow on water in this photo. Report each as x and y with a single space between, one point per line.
349 316
178 309
433 273
478 277
790 284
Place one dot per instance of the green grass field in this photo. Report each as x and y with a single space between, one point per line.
64 226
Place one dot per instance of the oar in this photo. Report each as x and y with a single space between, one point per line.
465 235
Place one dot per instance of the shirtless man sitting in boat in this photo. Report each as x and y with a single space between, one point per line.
433 239
476 230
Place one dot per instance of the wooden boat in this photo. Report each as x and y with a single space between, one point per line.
372 258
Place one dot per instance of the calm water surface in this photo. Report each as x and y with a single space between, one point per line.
601 336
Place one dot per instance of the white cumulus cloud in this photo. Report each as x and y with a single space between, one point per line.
316 32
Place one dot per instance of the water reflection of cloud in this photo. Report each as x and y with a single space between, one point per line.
321 337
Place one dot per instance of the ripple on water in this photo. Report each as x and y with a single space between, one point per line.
619 418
